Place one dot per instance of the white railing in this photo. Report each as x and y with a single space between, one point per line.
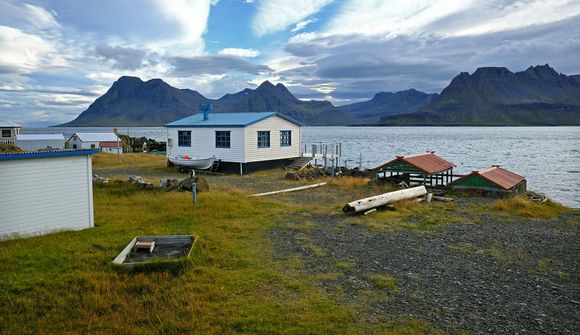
10 141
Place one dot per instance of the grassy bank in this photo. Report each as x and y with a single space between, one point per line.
64 282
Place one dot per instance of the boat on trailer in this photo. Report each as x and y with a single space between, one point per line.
192 162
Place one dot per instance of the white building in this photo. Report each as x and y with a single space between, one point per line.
107 142
45 191
34 142
8 130
244 142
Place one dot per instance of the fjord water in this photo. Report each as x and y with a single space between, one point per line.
549 157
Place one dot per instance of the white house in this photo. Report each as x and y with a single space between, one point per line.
244 142
8 130
33 142
45 191
106 142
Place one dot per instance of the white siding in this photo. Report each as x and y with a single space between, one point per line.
203 143
273 124
45 194
33 145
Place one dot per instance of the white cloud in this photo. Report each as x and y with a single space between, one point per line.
31 54
250 53
302 24
27 17
277 15
445 18
192 16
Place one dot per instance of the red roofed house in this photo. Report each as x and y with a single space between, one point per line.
424 168
493 178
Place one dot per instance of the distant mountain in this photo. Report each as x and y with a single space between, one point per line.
497 96
388 103
133 102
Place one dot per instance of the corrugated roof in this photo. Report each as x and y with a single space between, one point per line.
9 124
31 137
109 144
227 120
46 154
97 137
427 162
501 177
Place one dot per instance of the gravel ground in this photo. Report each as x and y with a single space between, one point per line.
516 277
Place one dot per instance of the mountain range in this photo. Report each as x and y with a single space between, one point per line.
489 96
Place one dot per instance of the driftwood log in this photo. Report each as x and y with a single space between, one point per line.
383 199
288 190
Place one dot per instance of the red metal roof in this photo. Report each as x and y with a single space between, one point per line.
111 144
427 162
501 177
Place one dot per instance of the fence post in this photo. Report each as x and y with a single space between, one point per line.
194 193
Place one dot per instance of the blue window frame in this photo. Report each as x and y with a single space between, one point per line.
184 138
222 139
285 138
263 139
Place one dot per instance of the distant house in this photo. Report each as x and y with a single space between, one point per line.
33 142
45 191
423 168
244 142
493 178
106 142
8 130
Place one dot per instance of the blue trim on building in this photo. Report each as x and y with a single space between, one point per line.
46 154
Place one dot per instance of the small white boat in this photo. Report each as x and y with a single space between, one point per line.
192 162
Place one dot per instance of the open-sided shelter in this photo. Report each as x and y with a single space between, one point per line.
424 168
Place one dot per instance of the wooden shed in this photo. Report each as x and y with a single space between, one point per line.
424 168
493 178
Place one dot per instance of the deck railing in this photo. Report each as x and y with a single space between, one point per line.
8 141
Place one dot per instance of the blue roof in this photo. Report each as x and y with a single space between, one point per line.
227 120
46 154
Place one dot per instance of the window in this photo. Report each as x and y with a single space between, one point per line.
6 133
75 146
93 146
285 138
222 139
263 139
184 138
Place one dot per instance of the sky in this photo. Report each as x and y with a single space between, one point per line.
58 56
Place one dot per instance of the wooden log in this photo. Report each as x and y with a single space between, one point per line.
383 199
288 190
442 199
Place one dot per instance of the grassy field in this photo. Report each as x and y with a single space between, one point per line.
63 283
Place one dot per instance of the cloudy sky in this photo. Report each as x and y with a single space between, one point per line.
57 56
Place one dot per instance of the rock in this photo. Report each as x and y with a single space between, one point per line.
100 179
169 184
201 184
136 179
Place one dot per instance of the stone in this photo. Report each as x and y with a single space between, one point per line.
201 184
135 179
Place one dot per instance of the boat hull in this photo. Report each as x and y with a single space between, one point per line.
194 163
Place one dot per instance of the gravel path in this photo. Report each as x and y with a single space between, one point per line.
517 277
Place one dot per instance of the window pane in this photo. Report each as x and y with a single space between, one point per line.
184 138
263 139
222 139
285 138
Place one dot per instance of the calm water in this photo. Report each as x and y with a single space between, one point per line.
549 157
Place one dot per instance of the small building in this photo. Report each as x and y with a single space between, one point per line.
34 142
45 191
244 142
495 179
424 168
8 130
106 142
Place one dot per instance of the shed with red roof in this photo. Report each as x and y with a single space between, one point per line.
426 168
492 178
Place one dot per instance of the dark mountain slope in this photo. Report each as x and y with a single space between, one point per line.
496 96
388 103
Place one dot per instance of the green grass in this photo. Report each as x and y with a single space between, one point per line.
385 282
64 282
